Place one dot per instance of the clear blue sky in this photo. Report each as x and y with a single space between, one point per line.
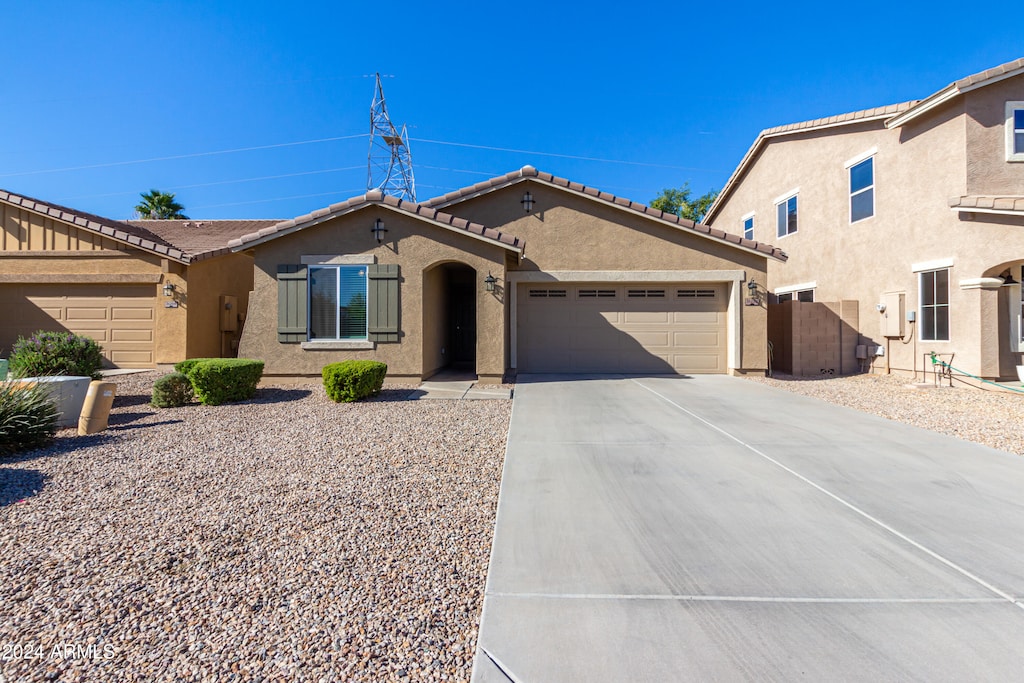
680 90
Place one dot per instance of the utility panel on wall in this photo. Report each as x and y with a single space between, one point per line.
892 310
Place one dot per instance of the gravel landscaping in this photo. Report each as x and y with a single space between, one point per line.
992 418
283 538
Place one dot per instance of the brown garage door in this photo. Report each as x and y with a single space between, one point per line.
632 328
119 317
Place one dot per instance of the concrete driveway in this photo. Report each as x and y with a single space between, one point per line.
710 528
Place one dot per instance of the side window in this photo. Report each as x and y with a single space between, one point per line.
806 295
785 220
748 227
862 190
934 298
1015 131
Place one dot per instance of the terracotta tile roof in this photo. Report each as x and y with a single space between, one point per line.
377 197
862 116
988 204
531 173
966 84
202 239
134 235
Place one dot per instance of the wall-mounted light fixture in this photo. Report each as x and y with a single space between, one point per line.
378 229
1008 278
527 202
489 282
754 297
169 289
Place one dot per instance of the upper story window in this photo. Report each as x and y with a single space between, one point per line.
862 190
337 302
934 321
748 226
785 220
1015 131
806 295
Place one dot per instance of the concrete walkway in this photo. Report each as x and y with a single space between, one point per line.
709 528
455 385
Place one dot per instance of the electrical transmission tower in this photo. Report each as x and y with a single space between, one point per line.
389 163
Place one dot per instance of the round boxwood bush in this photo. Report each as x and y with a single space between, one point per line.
353 380
28 417
172 391
56 353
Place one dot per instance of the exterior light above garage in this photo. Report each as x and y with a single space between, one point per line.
169 289
489 282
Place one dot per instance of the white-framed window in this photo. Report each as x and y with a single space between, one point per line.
796 295
1015 131
862 190
785 215
748 226
933 319
337 302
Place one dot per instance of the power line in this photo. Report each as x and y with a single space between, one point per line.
564 156
183 156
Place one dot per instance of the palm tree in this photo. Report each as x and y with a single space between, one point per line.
160 205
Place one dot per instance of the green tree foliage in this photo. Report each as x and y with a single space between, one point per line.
680 202
160 205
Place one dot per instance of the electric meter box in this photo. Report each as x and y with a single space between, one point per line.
894 314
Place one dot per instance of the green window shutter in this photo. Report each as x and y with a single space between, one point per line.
383 305
291 304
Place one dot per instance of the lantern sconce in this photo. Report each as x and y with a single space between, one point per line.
169 289
489 282
527 201
377 230
754 298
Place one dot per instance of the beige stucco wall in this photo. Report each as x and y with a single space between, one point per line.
416 246
208 280
567 232
917 169
988 172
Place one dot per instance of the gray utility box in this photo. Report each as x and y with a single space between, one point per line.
68 393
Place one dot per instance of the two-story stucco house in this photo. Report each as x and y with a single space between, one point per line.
913 210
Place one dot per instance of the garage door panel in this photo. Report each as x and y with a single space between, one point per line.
119 317
75 314
639 329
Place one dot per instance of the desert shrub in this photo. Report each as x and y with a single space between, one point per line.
222 380
172 391
56 353
28 417
352 380
185 366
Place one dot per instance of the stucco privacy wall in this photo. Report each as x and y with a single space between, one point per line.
567 232
208 280
416 246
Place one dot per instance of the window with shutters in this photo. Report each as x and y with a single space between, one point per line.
337 302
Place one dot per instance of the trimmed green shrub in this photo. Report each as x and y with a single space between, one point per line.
222 380
352 380
28 417
56 353
172 391
185 366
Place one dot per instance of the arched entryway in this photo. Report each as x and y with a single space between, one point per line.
449 318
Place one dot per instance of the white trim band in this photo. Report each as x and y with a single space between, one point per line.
937 264
803 286
863 156
783 197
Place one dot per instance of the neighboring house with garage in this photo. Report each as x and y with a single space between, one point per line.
914 211
150 292
523 273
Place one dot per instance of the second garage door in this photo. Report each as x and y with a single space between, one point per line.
632 328
119 317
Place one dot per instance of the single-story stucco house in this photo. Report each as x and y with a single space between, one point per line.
525 272
150 292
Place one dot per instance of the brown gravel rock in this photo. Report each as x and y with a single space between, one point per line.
283 538
992 418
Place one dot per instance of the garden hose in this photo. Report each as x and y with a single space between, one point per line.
937 361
